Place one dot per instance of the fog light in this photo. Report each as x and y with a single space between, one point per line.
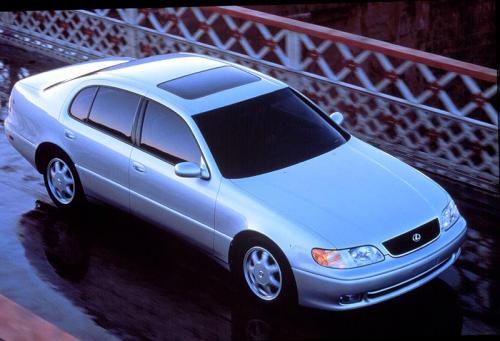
350 298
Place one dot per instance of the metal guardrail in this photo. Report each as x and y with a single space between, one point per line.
437 113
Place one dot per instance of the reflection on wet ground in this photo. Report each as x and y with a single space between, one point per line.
105 274
138 281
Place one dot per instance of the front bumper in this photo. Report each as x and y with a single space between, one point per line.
389 279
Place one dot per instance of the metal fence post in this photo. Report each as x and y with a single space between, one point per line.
132 18
293 50
6 18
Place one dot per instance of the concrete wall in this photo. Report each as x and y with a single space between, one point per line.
460 29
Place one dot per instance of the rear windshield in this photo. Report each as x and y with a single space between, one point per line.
267 133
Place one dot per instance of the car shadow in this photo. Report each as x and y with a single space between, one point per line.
141 282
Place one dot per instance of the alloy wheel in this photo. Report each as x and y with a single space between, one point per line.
262 273
61 181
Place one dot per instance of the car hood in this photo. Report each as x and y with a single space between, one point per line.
353 195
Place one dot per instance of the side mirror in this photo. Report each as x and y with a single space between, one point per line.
191 170
188 170
337 117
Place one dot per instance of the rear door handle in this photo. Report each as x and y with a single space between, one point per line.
139 167
69 134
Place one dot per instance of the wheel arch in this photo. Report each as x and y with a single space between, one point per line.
42 152
239 240
292 293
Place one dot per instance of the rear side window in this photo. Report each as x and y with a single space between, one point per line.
166 134
114 111
80 106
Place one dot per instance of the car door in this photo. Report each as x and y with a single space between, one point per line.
183 205
98 130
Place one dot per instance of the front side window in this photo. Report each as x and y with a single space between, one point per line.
166 134
114 111
267 133
80 106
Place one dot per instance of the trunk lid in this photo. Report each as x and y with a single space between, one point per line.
51 78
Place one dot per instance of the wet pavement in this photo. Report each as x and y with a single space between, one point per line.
106 275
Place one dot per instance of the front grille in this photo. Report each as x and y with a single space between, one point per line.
408 241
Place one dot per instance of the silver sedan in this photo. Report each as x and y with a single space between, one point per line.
244 167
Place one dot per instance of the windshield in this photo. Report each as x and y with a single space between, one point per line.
266 133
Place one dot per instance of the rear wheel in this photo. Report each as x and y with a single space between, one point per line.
264 273
62 182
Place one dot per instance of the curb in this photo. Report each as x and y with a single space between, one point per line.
17 323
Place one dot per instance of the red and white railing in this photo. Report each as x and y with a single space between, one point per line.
437 113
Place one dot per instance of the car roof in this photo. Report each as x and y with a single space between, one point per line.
162 68
192 83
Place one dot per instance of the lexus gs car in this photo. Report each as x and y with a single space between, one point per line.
242 166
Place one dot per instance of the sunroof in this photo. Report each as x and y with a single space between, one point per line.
208 82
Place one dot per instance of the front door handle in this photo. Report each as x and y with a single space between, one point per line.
69 134
139 167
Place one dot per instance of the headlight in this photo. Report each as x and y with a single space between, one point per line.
347 258
450 215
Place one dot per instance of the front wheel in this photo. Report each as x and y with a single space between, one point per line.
263 271
62 182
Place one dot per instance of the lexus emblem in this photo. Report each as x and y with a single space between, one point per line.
416 237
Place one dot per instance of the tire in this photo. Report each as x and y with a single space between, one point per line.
271 282
62 182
